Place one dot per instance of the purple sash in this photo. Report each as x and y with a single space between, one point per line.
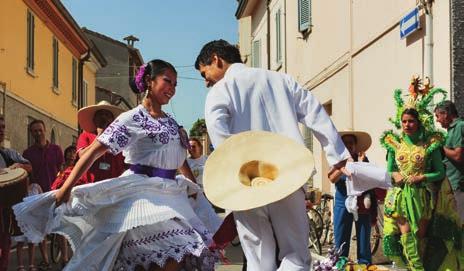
154 171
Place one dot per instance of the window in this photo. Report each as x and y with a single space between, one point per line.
55 63
74 81
85 88
304 15
278 38
308 138
30 41
256 54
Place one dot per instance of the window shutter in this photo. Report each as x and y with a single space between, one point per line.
55 63
308 138
74 81
30 40
278 38
256 60
304 15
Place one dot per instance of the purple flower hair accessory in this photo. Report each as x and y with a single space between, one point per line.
139 80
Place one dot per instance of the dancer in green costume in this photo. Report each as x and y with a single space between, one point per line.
420 207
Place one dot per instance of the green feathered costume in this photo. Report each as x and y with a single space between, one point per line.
431 200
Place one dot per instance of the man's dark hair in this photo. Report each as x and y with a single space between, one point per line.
222 49
448 107
35 122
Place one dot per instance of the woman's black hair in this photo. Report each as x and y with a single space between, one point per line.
153 68
412 112
69 148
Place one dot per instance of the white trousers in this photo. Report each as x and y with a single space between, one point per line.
284 224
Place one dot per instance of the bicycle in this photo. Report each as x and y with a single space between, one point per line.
324 209
315 227
377 231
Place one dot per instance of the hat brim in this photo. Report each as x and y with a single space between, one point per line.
222 185
363 139
85 115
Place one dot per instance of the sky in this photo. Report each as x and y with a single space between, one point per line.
172 30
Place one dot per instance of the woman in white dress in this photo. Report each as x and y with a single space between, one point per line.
141 220
202 207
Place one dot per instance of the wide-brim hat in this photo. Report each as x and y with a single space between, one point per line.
255 168
85 114
363 139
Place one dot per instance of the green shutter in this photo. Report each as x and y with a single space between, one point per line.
308 138
304 15
30 41
278 38
55 63
256 51
74 81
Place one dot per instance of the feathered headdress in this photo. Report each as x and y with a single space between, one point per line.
421 97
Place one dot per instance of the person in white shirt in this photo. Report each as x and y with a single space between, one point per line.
243 99
197 160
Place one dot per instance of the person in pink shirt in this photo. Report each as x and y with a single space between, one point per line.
47 160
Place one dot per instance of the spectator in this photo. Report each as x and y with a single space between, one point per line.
448 117
46 160
8 159
94 119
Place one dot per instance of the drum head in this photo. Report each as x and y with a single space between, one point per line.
10 176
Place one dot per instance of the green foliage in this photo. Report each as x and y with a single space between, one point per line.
198 128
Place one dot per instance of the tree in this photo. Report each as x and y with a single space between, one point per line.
198 128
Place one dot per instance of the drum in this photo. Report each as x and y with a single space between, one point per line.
13 186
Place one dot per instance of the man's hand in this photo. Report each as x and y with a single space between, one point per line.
341 166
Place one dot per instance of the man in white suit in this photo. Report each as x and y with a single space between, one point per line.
243 99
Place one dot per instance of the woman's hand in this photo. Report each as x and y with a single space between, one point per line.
397 177
62 196
361 156
416 179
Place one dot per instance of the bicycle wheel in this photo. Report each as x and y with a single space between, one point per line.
314 241
316 217
55 250
376 236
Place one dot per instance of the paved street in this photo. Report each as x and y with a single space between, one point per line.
234 254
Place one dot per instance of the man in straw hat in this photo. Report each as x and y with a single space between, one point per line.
357 142
243 99
93 120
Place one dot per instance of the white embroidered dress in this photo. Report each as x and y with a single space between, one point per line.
119 223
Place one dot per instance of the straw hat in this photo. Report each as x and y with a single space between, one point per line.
363 139
85 114
255 168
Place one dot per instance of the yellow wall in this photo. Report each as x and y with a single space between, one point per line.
37 89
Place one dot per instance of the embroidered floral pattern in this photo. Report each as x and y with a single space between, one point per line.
116 137
177 244
157 237
160 130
